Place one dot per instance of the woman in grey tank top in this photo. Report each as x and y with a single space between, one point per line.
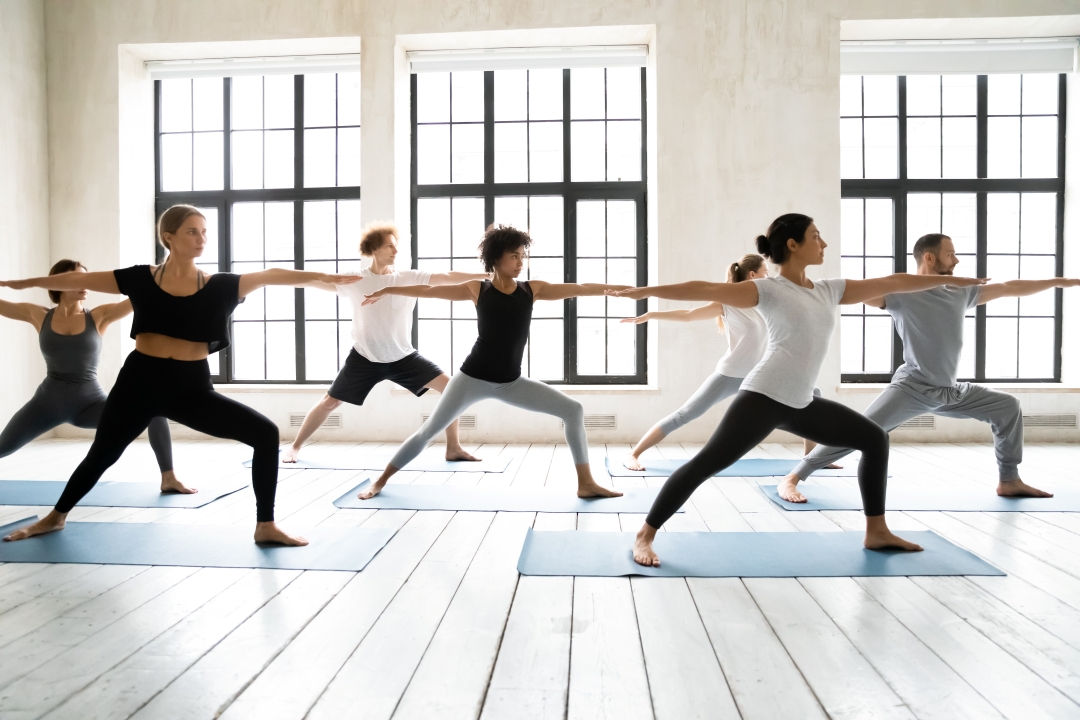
70 339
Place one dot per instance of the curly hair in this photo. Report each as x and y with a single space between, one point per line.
500 239
374 235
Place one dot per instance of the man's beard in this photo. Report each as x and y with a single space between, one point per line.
943 269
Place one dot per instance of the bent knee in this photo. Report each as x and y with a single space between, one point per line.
575 412
329 403
265 432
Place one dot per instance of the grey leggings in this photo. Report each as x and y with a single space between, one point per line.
463 391
80 404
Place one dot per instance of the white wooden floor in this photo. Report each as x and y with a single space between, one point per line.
440 625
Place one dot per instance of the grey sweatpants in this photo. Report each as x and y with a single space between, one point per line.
463 391
905 399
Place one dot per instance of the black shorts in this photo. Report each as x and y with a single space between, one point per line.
359 375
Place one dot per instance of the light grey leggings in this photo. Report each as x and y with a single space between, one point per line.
716 388
463 391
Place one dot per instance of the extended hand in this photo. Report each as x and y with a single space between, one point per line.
636 320
1069 282
632 293
373 297
15 284
331 279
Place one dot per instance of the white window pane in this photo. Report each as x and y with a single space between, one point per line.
1003 147
546 224
175 106
281 363
1039 147
879 336
1001 348
511 95
467 226
319 103
208 98
586 93
511 152
280 304
209 155
958 221
590 346
1003 95
319 304
431 308
467 156
279 165
621 344
546 349
881 147
349 235
254 305
851 150
247 232
1038 267
879 95
545 152
247 102
432 153
591 271
851 226
209 260
1002 268
433 227
1036 348
467 96
1003 222
586 151
966 368
320 346
319 157
624 93
348 88
624 150
512 211
432 97
878 267
545 94
434 341
247 160
923 95
924 147
958 94
348 158
591 228
1038 223
923 216
345 342
280 109
176 162
320 231
279 231
622 228
214 363
621 272
464 337
1040 94
958 137
853 268
850 95
879 226
248 351
548 270
851 344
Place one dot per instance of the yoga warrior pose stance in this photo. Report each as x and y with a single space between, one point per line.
493 369
382 339
778 393
931 325
181 316
746 337
70 339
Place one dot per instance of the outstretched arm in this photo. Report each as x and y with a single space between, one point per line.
103 282
455 278
561 291
705 312
462 291
250 282
857 291
1023 288
740 295
106 315
26 312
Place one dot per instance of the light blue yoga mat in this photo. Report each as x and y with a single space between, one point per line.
116 494
927 499
484 499
747 467
743 554
348 549
359 461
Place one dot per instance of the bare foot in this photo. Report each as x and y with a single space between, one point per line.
632 463
372 490
643 550
883 539
50 523
269 532
459 455
589 489
786 489
833 466
1018 488
290 454
171 484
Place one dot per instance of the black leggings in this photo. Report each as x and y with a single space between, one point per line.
750 419
148 387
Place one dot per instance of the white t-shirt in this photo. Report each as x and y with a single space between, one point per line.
747 338
382 331
800 322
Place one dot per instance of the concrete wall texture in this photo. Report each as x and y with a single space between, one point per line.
743 96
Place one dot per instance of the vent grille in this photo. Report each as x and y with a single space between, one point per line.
464 421
921 422
333 421
1063 420
597 422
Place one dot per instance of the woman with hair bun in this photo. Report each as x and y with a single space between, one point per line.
181 316
800 315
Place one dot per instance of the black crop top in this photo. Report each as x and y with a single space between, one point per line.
202 317
502 322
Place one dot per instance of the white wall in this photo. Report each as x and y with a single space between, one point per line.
743 101
24 187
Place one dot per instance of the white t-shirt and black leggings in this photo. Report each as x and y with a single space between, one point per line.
779 394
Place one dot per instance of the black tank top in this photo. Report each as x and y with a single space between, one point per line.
502 322
71 358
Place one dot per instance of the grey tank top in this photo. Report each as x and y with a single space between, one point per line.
71 358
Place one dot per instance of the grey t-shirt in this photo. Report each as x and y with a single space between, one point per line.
931 324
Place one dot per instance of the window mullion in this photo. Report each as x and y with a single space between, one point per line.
569 245
489 148
300 323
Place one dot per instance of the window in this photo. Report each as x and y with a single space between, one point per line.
980 158
559 153
274 163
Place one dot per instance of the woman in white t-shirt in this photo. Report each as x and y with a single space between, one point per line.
800 315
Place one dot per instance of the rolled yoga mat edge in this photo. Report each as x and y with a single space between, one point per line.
497 464
821 497
746 467
115 494
742 554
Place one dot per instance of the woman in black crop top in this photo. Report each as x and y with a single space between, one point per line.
493 368
181 316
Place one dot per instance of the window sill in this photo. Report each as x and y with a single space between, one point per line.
268 387
1031 388
581 390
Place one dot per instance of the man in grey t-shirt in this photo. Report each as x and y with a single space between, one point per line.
931 325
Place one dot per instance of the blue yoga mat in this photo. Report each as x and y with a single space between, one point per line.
743 554
445 497
116 494
348 549
747 467
927 499
349 461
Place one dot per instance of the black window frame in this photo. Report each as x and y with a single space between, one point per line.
897 189
224 200
571 192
